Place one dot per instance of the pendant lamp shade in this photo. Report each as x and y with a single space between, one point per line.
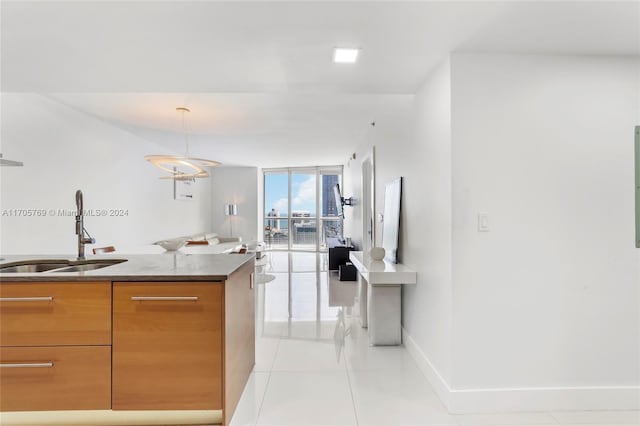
182 167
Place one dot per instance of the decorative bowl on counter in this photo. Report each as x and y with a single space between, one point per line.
173 244
377 253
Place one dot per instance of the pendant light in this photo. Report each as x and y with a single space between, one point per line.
9 163
182 167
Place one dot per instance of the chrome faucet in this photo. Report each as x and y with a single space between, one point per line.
80 231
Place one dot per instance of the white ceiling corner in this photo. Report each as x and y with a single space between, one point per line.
258 76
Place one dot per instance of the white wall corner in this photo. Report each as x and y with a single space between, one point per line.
473 401
425 365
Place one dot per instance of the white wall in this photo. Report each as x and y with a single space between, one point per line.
237 185
426 217
64 150
541 312
390 135
549 297
419 150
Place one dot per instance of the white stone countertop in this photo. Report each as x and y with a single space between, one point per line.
382 272
168 266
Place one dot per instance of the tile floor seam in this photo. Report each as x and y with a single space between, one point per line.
275 356
555 419
264 395
320 370
353 400
266 387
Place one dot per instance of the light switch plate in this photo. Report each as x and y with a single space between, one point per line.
483 222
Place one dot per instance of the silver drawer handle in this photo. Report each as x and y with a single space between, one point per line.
27 365
27 299
166 298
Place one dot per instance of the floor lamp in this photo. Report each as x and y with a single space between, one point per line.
231 210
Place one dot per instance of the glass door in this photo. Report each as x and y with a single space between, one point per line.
276 206
300 210
304 224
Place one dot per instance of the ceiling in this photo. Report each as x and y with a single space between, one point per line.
258 76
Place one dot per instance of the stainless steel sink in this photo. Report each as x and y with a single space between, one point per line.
84 267
57 265
38 267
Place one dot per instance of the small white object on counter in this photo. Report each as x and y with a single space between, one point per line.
377 253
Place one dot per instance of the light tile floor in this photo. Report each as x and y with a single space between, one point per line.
314 365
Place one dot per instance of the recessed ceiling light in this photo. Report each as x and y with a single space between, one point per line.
345 56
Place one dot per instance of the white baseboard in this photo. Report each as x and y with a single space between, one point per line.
544 399
467 401
432 374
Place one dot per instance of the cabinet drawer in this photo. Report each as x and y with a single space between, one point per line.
167 346
55 378
55 313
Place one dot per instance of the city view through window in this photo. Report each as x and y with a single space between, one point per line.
300 210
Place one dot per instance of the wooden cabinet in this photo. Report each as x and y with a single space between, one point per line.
60 313
55 349
239 338
127 345
55 378
167 345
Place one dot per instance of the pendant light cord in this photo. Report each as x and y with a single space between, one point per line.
184 129
186 135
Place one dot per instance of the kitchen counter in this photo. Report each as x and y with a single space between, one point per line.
175 266
102 344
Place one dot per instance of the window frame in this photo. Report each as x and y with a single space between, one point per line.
319 171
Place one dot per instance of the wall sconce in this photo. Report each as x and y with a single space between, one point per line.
231 210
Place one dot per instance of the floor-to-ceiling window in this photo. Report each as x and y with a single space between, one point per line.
300 210
276 209
303 233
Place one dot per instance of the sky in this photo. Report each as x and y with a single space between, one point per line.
303 193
